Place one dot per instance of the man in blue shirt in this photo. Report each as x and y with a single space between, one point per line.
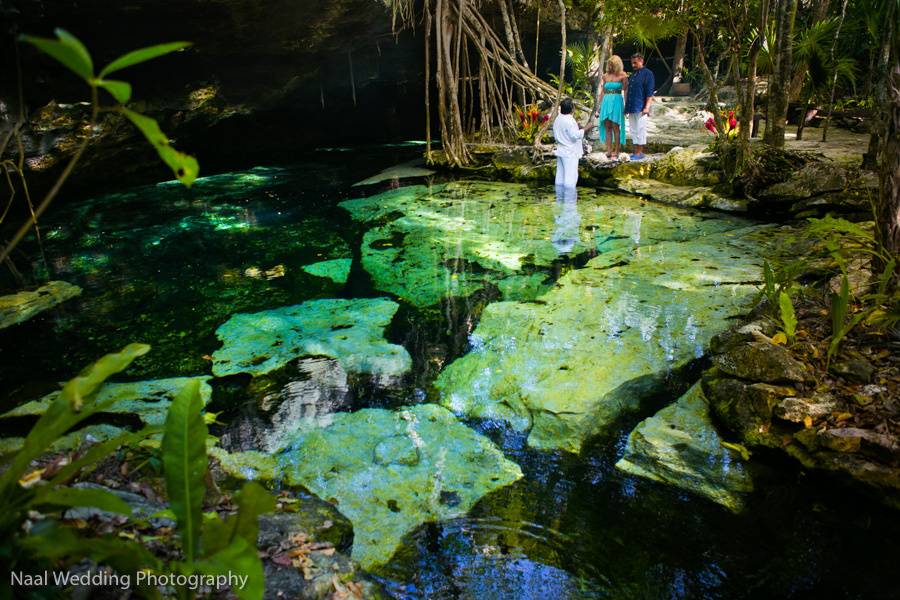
637 103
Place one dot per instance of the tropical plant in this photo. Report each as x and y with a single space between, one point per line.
530 122
71 53
788 316
24 494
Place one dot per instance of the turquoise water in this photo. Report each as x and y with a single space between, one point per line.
167 266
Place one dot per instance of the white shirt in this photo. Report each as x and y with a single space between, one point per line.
568 137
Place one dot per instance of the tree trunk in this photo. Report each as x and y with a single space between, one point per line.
881 84
889 159
428 81
779 82
678 61
837 35
562 74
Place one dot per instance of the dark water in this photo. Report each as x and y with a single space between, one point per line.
166 266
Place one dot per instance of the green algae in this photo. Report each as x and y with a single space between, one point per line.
424 244
604 340
67 442
337 270
350 331
19 307
147 400
387 471
680 446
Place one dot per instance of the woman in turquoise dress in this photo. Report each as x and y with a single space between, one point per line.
613 87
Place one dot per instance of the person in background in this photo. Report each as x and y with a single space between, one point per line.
569 136
612 107
637 103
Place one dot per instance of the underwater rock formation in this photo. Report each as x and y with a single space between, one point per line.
19 307
350 331
387 471
680 446
337 269
567 366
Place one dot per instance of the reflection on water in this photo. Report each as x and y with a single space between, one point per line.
566 219
167 266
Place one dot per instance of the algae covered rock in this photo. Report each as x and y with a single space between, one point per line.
387 471
147 400
336 270
762 361
426 244
19 307
350 331
604 340
679 446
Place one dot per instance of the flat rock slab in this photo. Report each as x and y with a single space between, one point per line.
19 307
350 331
566 367
429 243
401 171
148 400
679 446
336 270
387 471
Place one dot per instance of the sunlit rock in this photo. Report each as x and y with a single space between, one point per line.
604 339
350 331
387 471
425 244
70 441
19 307
679 446
336 270
147 400
402 171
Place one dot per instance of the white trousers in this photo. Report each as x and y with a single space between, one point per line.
637 125
566 171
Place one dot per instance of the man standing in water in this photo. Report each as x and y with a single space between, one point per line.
569 136
637 103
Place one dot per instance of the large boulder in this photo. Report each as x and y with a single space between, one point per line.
21 306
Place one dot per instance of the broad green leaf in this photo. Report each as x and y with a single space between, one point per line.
885 278
184 464
77 497
67 49
55 542
840 303
183 165
61 416
253 500
120 90
142 54
238 557
87 382
788 317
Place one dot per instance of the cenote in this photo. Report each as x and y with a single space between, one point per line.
487 285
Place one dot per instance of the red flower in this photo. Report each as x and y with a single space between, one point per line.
710 124
732 122
545 119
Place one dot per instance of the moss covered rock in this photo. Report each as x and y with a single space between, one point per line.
19 307
350 331
336 270
387 471
679 446
605 339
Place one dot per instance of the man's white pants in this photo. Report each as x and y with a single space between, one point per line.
566 171
637 125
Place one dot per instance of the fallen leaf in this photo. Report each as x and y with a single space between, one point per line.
807 422
779 339
31 478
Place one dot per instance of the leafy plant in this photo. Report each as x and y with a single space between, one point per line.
72 54
788 316
23 493
210 545
530 122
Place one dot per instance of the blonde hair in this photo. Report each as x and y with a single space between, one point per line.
614 64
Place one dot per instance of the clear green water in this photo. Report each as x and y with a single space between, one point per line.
167 266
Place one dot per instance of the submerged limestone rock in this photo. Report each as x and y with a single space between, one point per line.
70 441
405 170
19 307
147 400
350 331
604 339
679 446
387 471
336 270
426 244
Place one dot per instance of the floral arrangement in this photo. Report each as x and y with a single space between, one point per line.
731 125
530 121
